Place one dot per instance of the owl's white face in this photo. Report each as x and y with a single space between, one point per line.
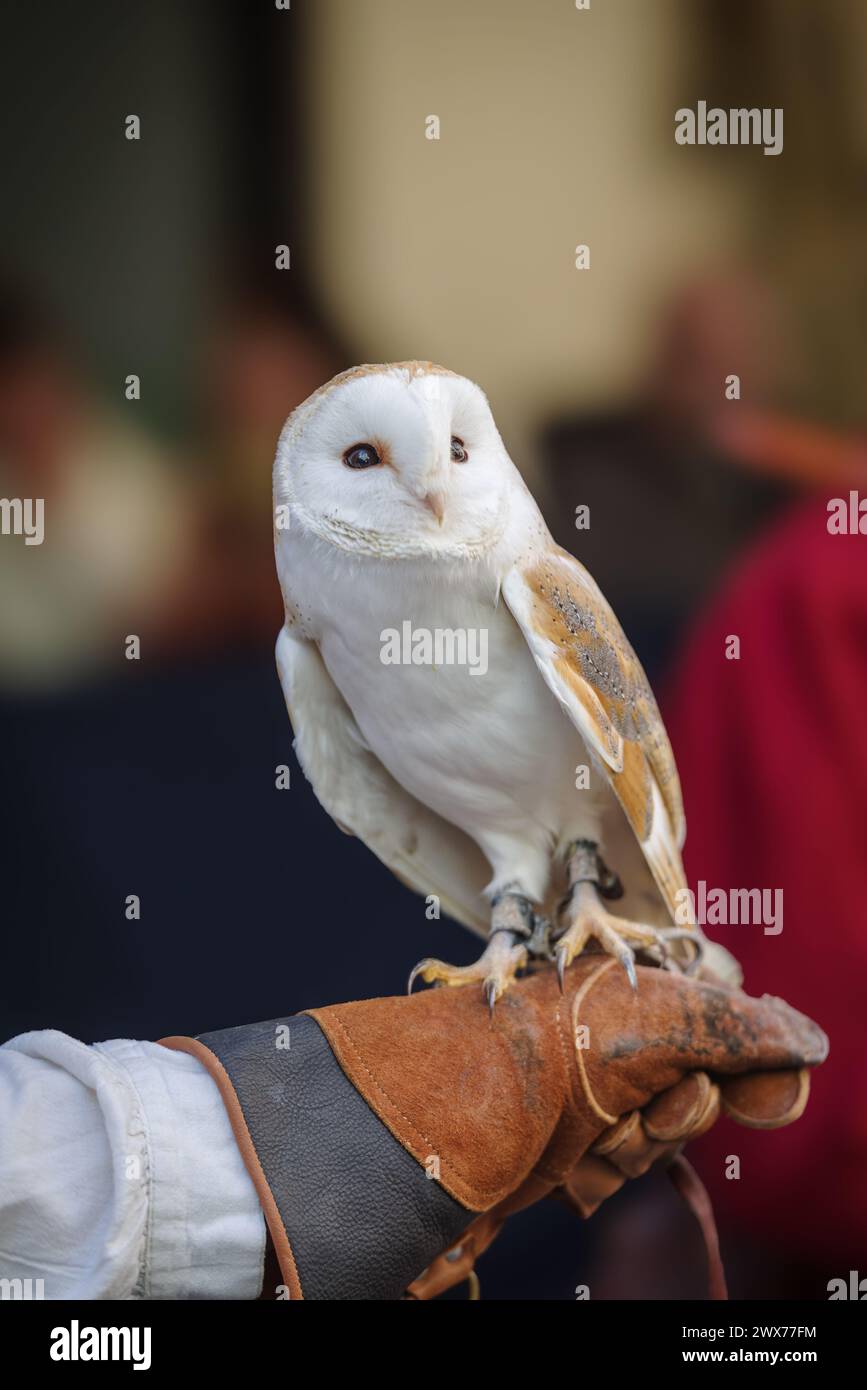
400 454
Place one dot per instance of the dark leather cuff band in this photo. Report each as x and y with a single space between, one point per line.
350 1213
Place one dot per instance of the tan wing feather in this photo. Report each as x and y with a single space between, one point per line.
585 658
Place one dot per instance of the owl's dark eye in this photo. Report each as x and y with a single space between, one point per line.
361 456
459 451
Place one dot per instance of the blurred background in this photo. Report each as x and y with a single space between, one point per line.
155 257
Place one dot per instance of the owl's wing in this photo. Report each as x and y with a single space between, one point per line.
588 664
420 848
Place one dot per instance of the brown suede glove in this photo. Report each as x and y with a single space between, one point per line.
343 1114
569 1093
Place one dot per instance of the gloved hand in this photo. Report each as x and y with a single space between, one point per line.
390 1138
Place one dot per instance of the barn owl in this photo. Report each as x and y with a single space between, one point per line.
407 544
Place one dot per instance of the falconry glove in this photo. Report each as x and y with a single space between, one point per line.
389 1139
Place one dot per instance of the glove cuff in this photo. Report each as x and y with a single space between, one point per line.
350 1213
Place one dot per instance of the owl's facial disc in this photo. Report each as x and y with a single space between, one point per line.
411 458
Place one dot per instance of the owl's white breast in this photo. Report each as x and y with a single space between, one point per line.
491 752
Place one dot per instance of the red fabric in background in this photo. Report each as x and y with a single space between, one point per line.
772 751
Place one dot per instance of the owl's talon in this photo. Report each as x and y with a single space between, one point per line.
627 960
691 966
420 969
489 989
562 958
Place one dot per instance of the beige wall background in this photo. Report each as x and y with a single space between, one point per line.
556 128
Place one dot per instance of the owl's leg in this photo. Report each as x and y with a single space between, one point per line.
515 932
586 917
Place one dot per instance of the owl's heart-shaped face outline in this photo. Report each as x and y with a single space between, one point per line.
403 454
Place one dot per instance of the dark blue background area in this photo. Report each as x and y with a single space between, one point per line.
252 901
253 904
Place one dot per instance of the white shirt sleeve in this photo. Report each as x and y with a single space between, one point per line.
119 1174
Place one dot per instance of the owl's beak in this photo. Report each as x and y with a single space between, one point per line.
436 503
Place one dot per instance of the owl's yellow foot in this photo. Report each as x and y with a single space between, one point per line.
590 880
507 952
587 919
495 969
